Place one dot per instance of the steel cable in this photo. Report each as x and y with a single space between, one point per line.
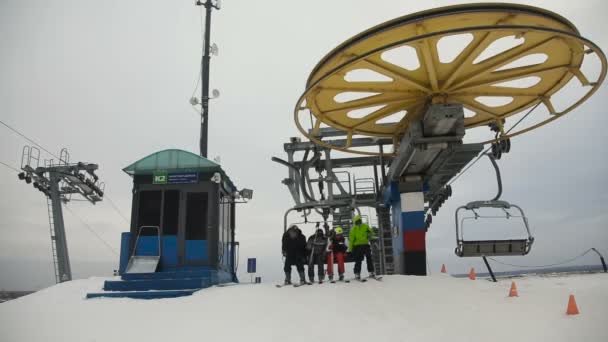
541 266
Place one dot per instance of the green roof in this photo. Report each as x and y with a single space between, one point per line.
174 160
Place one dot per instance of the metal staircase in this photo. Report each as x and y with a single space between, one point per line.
342 217
385 239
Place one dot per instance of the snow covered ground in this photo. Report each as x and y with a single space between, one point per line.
400 308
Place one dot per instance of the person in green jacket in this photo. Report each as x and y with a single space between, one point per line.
358 245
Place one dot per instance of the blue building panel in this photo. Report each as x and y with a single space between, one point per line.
168 256
196 250
147 246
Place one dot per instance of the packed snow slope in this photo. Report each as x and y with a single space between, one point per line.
400 308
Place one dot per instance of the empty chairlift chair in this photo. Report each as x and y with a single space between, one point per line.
483 248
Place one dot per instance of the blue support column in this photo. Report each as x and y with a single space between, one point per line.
414 233
409 230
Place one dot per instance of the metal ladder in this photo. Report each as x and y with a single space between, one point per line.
49 206
385 238
377 255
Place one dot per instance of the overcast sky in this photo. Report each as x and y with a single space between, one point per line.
110 80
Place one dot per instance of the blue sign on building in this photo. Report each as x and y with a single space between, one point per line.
180 178
163 177
251 265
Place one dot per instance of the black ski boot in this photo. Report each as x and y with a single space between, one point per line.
302 279
341 277
287 278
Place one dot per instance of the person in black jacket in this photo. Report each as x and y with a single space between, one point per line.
294 251
316 245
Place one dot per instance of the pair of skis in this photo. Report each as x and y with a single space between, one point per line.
340 281
294 285
361 280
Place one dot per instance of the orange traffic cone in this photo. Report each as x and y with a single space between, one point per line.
572 308
443 270
513 290
472 274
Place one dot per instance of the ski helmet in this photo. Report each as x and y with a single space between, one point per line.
338 230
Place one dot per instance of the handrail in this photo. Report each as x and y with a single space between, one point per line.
350 189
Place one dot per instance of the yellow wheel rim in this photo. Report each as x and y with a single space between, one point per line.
497 60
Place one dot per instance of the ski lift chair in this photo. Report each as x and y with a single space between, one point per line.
483 248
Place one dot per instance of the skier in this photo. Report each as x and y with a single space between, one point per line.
358 245
336 250
317 243
294 251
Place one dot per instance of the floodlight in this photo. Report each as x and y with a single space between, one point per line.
28 179
21 175
246 193
217 178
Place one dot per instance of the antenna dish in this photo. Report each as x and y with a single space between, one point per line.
215 93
